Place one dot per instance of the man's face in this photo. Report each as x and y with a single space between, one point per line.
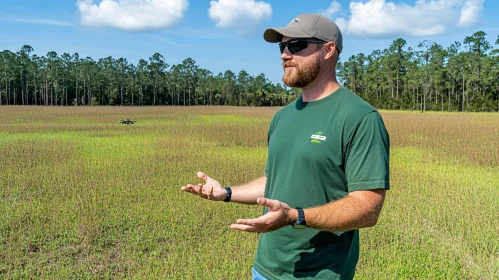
301 68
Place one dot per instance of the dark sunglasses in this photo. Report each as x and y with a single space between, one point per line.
297 45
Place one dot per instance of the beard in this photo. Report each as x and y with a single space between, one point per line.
303 75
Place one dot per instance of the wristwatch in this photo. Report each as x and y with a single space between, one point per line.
229 194
300 222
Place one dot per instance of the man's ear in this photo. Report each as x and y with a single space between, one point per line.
330 50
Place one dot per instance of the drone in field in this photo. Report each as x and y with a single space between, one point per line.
127 121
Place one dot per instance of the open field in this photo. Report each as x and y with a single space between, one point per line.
82 196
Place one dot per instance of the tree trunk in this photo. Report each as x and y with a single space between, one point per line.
83 99
413 99
462 109
22 90
173 97
424 98
76 90
453 90
417 94
35 102
398 85
442 100
27 88
8 94
448 99
1 91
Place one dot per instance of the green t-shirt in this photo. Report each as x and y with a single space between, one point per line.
318 152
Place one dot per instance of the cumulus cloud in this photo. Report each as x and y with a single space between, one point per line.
424 18
470 13
332 9
239 16
132 15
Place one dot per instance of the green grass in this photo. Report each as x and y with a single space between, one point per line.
439 221
82 196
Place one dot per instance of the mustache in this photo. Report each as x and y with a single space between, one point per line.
288 64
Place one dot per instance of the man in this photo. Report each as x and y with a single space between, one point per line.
327 168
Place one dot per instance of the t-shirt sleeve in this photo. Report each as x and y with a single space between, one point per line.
367 155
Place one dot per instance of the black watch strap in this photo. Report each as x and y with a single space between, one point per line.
300 222
229 194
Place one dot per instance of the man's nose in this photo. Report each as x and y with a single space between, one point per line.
286 55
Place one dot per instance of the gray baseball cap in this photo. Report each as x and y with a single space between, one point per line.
307 26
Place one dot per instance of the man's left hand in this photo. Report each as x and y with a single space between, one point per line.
278 215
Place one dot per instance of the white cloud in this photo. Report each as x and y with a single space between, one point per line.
333 9
424 18
470 13
132 15
239 16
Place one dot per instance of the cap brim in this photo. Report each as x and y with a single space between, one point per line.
274 35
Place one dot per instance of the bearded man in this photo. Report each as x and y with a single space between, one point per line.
327 167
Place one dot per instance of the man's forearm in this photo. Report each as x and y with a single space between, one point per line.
351 212
249 192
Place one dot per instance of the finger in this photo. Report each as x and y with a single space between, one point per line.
190 186
210 191
202 176
260 221
200 191
247 228
189 190
207 191
270 203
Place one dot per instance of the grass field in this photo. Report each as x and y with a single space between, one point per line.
82 196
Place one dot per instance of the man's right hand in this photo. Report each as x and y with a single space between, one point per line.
211 189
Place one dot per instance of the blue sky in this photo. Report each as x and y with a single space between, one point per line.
227 34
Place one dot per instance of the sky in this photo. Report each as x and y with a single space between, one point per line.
228 34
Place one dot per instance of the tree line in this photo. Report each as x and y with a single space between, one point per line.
28 79
461 77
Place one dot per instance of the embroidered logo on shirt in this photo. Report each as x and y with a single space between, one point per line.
318 137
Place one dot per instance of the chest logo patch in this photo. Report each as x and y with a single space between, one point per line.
318 137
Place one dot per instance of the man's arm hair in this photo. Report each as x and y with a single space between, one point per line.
249 192
358 209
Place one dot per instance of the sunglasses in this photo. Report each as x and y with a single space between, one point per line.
297 45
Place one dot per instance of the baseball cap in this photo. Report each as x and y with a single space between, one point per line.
307 26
